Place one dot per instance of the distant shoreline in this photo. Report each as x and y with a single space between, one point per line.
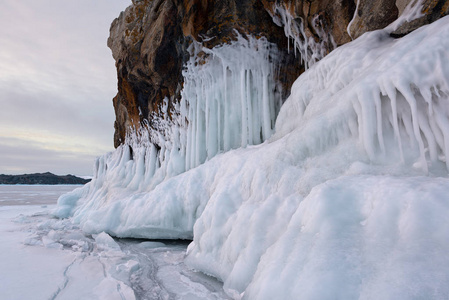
41 178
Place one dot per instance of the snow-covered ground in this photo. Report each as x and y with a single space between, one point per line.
47 258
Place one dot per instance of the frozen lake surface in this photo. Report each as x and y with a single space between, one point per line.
48 258
32 194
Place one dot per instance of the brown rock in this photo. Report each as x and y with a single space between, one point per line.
149 41
432 10
372 15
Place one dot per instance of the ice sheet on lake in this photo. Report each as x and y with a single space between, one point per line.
47 258
20 194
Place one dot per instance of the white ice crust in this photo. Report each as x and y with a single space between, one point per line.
348 199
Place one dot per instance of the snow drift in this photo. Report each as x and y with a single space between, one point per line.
347 200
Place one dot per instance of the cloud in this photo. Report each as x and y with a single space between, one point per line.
21 156
57 80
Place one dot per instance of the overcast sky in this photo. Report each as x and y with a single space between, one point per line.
57 81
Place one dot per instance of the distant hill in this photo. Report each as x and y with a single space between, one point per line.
41 178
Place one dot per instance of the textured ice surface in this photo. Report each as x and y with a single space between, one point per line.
361 237
347 198
46 258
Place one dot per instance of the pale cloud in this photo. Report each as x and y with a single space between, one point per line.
57 80
26 156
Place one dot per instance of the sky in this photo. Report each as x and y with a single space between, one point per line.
57 81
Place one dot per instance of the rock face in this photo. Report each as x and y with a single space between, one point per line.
431 11
150 40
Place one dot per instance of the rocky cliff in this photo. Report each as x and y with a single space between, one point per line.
150 42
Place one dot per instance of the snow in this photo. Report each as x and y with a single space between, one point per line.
348 198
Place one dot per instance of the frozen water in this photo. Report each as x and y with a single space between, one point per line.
47 258
310 51
229 100
411 12
35 194
347 199
362 237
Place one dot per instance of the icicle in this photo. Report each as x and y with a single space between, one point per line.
228 101
301 42
226 134
367 122
266 125
250 107
428 134
243 102
380 136
408 95
443 123
437 133
348 29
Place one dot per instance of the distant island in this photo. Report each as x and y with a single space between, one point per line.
41 178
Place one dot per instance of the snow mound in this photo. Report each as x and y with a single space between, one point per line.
344 200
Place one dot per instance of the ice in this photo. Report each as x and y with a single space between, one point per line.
363 237
22 194
348 29
230 100
310 51
105 242
16 259
149 245
101 270
348 198
411 12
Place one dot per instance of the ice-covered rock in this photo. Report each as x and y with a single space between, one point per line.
344 200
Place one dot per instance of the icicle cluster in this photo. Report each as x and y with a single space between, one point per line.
230 100
310 51
392 95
